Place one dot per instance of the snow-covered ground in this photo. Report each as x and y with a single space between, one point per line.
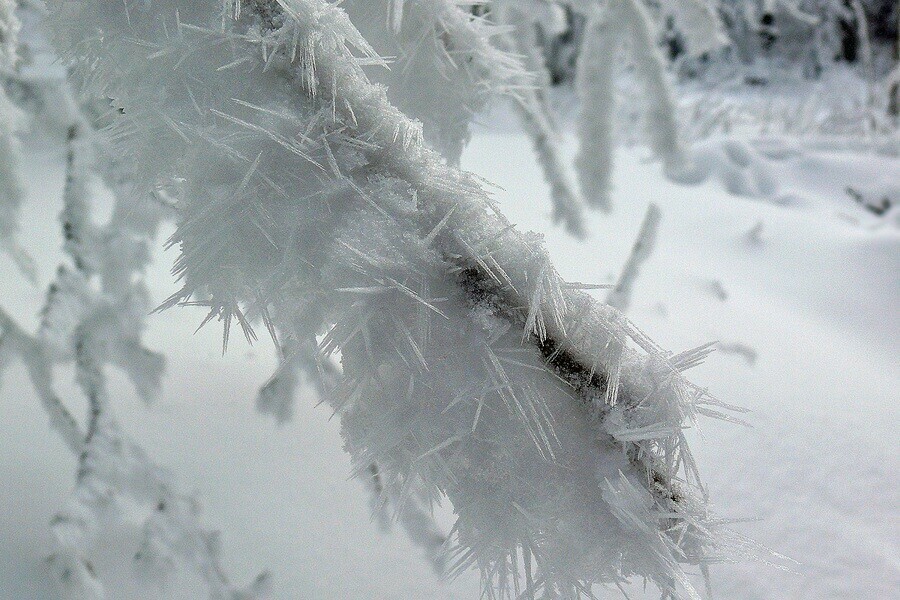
800 288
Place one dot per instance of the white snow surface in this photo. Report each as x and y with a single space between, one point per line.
806 280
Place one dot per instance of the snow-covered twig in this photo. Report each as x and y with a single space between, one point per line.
620 296
16 343
446 67
112 469
661 109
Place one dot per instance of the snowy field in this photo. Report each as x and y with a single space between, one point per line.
800 288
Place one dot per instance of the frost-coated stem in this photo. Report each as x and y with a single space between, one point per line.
662 123
596 86
75 527
93 316
565 196
445 67
473 225
573 330
113 470
619 22
620 296
520 16
78 231
449 64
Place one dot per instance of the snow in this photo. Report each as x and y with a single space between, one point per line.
811 292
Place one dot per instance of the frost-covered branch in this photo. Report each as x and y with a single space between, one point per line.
661 120
116 478
449 64
862 28
469 367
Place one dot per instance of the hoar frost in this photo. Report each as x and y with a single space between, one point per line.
468 367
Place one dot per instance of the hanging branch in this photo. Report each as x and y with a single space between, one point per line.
865 47
444 68
449 64
436 39
596 86
16 343
621 22
662 123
